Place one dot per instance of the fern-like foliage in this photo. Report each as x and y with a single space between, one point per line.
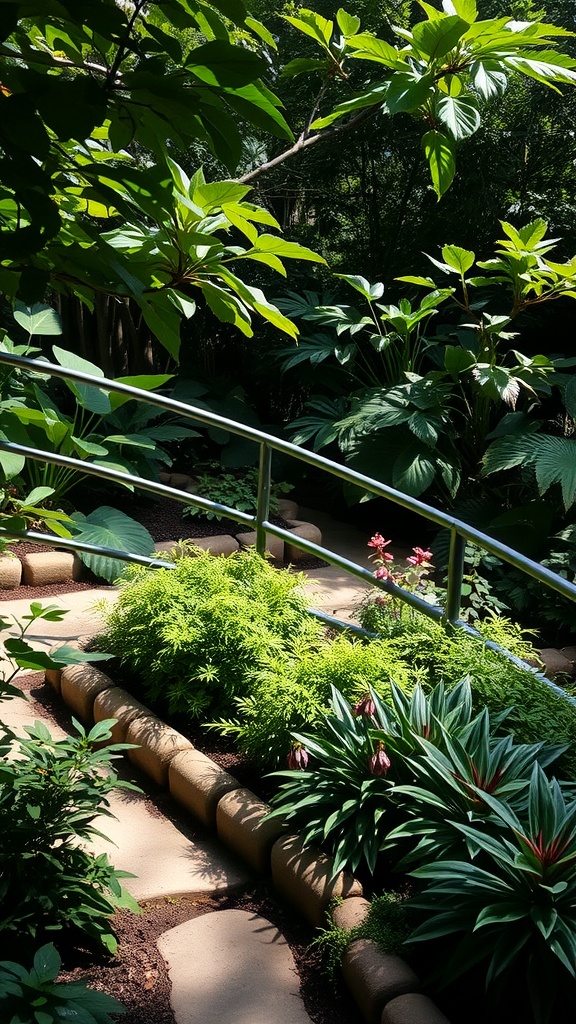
196 634
553 460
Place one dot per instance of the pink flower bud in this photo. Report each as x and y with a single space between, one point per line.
379 763
365 707
385 574
297 757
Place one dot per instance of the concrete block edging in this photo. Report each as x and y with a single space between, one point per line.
379 983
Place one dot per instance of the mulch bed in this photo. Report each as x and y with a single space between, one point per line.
164 521
138 975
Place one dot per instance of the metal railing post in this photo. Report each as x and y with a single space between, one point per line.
455 575
263 505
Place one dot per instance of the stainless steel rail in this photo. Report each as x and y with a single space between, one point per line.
460 532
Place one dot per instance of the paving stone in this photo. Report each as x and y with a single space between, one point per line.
374 978
570 654
303 877
308 532
44 567
412 1009
10 572
119 704
21 711
555 663
274 545
168 859
232 967
351 912
79 687
197 783
223 544
164 478
287 508
180 480
242 823
157 744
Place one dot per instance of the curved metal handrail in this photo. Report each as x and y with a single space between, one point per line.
460 532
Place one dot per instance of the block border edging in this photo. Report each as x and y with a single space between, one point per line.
376 1010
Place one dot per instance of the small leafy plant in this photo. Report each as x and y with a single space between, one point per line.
50 795
35 996
235 488
386 923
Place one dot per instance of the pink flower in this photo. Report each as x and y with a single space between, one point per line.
420 557
379 763
384 574
297 757
365 707
377 541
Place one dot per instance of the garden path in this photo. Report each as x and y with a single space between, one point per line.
226 967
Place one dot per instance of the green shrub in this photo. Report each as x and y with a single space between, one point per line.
537 712
35 997
198 633
293 694
50 795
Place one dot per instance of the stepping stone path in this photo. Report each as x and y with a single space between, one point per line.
232 967
227 967
167 859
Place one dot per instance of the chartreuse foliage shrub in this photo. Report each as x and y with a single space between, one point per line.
536 712
198 633
35 997
293 693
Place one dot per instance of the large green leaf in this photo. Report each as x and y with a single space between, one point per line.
89 397
439 152
37 319
110 528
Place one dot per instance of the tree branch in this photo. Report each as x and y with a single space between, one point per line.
310 140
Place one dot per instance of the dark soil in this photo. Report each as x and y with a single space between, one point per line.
164 521
138 975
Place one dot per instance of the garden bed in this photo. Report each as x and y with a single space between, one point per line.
138 974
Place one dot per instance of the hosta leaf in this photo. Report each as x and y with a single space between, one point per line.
413 471
457 258
488 78
89 397
434 39
407 91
